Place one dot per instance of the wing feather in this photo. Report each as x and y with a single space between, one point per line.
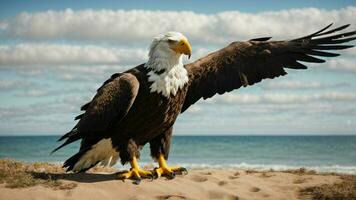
246 63
111 103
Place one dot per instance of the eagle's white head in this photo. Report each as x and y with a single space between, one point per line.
167 72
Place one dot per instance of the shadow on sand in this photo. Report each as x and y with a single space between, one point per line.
79 177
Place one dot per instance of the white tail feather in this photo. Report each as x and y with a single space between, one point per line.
102 153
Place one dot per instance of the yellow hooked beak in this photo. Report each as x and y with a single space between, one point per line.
183 47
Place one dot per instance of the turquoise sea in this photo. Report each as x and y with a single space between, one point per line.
321 153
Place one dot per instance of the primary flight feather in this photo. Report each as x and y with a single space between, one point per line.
140 105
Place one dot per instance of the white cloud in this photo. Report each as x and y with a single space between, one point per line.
84 91
96 73
33 93
139 25
60 54
8 85
68 105
283 98
195 110
338 96
295 85
319 117
351 51
340 65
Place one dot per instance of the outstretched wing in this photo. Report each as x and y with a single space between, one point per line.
111 103
247 63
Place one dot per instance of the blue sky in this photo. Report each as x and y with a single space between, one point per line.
53 55
10 8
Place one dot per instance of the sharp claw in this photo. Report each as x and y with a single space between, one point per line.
137 181
171 176
151 176
155 174
184 171
180 171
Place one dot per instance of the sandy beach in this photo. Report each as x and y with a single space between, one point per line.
47 181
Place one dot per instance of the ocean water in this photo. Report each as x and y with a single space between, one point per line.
321 153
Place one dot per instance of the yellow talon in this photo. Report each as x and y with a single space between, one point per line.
165 170
135 173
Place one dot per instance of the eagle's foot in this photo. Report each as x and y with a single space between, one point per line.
135 173
165 170
169 172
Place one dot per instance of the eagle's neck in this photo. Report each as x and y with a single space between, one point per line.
167 74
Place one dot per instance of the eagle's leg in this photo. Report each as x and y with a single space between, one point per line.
165 170
160 146
135 173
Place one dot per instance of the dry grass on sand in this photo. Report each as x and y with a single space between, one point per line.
15 174
338 191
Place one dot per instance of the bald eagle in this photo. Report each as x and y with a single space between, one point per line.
140 105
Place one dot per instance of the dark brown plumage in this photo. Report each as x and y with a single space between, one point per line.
247 63
125 110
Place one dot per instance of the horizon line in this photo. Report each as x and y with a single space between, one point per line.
203 135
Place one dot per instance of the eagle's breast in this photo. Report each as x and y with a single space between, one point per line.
169 81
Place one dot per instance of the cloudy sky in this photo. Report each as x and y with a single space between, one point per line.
53 56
